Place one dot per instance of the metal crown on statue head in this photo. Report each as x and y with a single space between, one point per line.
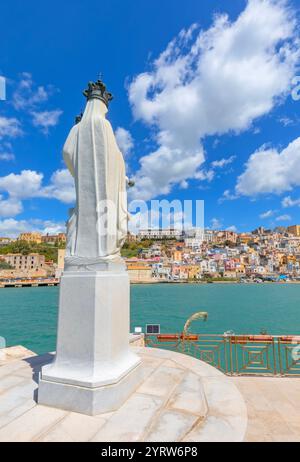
98 90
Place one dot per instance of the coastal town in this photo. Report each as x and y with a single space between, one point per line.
166 255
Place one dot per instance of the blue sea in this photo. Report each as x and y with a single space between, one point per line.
28 316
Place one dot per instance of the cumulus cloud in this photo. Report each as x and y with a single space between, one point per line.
10 227
270 170
24 185
124 141
61 187
232 228
158 218
10 207
50 227
209 83
10 127
216 223
46 119
227 196
29 184
289 202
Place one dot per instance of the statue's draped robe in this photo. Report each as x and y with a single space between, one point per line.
97 226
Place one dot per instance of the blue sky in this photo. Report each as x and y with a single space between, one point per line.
203 104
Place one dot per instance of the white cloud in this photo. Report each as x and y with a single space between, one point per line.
11 227
29 184
61 187
161 169
289 202
267 214
28 95
284 218
227 196
151 218
223 162
216 223
7 156
232 228
205 175
219 81
50 227
46 119
10 127
25 185
124 141
6 151
271 171
10 207
184 184
286 121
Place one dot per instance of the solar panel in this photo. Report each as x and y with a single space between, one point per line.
153 329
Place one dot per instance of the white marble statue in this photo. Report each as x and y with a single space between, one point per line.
97 226
94 370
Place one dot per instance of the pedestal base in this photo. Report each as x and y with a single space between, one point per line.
94 370
89 401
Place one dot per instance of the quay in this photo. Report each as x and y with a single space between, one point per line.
50 282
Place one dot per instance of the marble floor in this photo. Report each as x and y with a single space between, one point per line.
273 408
180 399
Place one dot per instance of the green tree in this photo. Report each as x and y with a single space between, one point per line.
4 265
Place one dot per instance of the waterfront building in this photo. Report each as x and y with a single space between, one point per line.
25 262
6 241
131 237
159 233
208 236
177 255
31 238
224 253
56 239
193 272
162 271
25 266
139 272
193 243
244 238
294 230
226 236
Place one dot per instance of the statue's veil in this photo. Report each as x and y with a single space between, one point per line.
98 225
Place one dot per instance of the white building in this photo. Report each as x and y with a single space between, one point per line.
158 233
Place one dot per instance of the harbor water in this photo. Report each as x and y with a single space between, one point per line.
28 316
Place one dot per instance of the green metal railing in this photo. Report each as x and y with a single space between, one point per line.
237 355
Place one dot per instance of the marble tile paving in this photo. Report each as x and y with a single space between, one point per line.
180 399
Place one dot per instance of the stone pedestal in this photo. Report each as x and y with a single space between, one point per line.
94 370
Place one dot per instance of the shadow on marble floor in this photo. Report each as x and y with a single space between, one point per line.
36 363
